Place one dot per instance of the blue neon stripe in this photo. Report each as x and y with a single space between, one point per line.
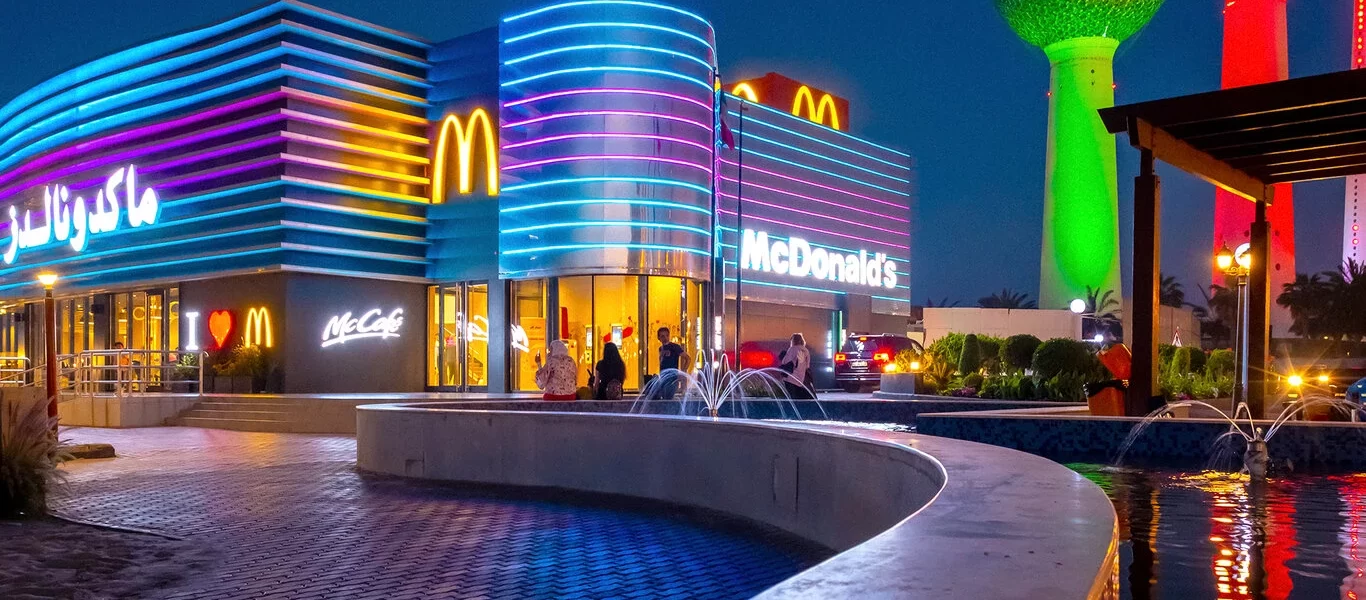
158 265
593 2
829 129
151 246
824 157
824 172
631 224
513 40
149 113
161 48
619 201
281 183
649 180
606 246
608 70
750 119
608 47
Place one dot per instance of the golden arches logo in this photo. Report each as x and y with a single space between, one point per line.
746 91
815 111
465 132
256 332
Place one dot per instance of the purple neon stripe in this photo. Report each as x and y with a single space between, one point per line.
606 113
157 167
672 161
132 134
606 91
814 199
574 136
814 214
824 231
174 183
812 183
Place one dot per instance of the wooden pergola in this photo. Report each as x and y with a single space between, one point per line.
1244 140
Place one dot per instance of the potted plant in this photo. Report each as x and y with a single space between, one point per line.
245 371
185 374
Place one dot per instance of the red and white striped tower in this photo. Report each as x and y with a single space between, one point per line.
1351 213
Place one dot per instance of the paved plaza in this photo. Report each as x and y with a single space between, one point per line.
291 518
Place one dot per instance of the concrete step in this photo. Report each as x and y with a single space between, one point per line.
264 415
272 406
268 426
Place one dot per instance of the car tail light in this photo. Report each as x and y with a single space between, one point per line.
882 356
840 357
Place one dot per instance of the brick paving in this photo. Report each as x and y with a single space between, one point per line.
293 519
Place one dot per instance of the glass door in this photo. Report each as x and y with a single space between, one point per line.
458 336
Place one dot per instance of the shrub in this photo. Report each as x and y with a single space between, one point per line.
1066 386
973 380
947 349
1165 352
1198 360
970 361
1062 355
990 348
29 455
1028 390
1017 353
1220 364
904 358
1180 361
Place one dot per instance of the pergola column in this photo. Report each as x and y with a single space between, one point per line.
1143 383
1259 310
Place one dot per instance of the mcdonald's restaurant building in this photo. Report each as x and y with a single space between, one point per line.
380 213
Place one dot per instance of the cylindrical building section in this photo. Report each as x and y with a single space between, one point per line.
607 141
1081 221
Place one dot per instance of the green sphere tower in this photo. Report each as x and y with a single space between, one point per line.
1081 200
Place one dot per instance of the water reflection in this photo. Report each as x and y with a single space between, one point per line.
1210 535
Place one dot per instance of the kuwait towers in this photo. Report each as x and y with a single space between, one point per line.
1255 51
1081 200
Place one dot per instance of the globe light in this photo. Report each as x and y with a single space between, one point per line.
1243 255
1078 306
48 279
1224 259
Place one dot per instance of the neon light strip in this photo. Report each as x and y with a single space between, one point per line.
607 246
354 169
333 251
365 87
158 264
606 91
646 180
824 172
814 184
623 157
821 141
817 230
356 65
607 69
630 224
575 136
564 5
366 129
527 36
608 47
835 131
731 263
813 199
733 231
606 113
350 210
221 172
814 214
352 232
803 288
347 105
349 147
358 191
612 201
824 157
152 246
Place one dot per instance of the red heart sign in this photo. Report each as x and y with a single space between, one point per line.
220 325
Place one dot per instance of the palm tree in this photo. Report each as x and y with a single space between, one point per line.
1007 298
1220 314
1101 315
1172 294
929 303
1308 298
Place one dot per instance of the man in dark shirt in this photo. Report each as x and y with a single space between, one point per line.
670 354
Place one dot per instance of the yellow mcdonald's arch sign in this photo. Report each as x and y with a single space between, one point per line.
256 331
815 111
746 91
464 134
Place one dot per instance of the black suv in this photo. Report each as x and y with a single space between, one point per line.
864 358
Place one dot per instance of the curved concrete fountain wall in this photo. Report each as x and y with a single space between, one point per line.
988 522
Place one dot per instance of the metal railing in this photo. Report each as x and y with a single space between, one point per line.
14 371
117 372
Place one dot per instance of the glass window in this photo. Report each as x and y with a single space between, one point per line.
527 332
120 320
477 336
616 312
693 319
81 331
64 315
173 319
664 306
452 322
576 321
435 335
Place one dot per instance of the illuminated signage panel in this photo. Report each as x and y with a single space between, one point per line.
800 259
370 324
69 219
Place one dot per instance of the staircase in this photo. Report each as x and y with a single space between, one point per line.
272 414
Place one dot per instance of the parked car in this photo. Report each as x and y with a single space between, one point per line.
1333 378
764 354
864 358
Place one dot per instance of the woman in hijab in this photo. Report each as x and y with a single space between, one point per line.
796 361
610 374
558 377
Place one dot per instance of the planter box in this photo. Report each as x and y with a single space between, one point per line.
899 383
232 385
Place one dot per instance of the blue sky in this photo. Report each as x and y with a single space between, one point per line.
944 79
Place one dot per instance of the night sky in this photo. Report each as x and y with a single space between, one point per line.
944 79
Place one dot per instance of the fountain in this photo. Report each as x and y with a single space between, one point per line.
1256 458
716 384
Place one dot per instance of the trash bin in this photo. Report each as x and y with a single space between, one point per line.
1106 398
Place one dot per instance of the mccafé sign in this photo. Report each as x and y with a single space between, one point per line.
798 258
370 324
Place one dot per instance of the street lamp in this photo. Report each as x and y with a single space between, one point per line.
1238 264
49 279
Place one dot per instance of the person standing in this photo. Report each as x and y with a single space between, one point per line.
796 362
610 374
671 356
558 377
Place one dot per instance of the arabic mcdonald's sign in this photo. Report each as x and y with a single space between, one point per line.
789 95
464 133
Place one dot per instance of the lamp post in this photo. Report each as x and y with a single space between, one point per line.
49 279
1237 265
